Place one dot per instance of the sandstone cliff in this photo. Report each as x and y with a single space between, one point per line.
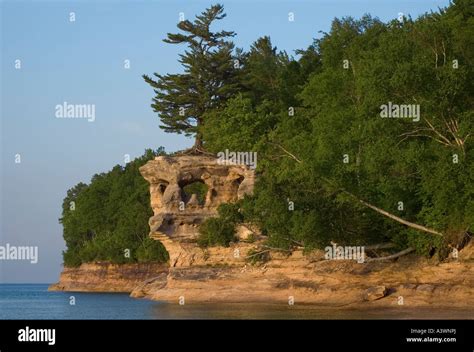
224 274
104 277
310 279
177 215
175 221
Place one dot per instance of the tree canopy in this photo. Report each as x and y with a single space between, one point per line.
107 220
208 80
331 168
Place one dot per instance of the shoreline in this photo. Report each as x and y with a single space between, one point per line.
409 282
107 277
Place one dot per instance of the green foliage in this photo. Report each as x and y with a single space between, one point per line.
305 192
215 232
209 76
197 188
270 81
104 219
151 251
262 69
423 243
220 231
324 151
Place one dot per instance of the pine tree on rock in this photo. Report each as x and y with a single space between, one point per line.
208 80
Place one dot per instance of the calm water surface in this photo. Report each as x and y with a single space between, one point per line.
33 301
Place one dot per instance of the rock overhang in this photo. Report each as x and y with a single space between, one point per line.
177 215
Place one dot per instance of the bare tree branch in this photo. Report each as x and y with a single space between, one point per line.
393 256
373 207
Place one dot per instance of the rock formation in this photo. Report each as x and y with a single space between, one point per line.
106 277
177 215
224 274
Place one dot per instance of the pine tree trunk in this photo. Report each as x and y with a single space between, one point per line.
198 142
198 139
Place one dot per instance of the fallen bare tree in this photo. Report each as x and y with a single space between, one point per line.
393 256
387 245
365 203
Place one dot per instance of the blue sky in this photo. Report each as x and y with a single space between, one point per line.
82 62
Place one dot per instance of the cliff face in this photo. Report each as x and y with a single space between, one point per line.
177 215
223 274
220 274
175 223
310 279
104 277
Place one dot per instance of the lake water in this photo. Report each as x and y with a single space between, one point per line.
33 301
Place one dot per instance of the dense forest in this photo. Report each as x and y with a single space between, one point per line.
107 220
364 137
